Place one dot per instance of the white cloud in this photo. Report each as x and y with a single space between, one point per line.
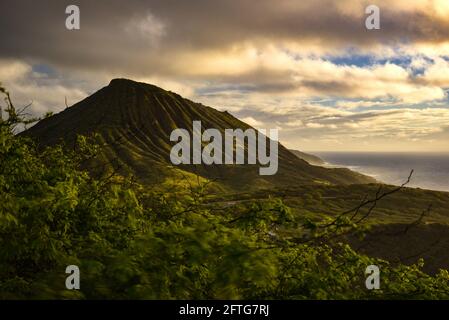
252 122
43 92
11 70
149 27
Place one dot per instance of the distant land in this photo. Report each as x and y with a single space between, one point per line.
310 158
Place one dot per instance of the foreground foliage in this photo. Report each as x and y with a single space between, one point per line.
131 242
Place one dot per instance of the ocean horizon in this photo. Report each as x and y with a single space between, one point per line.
431 169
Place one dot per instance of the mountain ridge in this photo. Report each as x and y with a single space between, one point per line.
141 116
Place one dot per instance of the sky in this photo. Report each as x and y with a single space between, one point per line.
307 67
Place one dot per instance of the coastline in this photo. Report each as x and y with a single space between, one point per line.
431 170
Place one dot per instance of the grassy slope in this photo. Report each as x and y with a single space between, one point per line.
386 237
135 120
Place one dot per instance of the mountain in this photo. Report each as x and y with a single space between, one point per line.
135 121
309 158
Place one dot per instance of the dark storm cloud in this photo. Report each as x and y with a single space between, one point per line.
107 41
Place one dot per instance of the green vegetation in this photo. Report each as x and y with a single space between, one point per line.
131 241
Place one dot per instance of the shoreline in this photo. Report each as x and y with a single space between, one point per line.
430 169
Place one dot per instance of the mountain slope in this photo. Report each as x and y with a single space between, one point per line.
310 158
136 119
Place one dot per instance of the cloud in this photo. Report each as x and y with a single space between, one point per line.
148 28
252 122
42 92
436 73
13 70
176 30
388 130
291 64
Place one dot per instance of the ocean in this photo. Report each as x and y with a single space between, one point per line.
431 170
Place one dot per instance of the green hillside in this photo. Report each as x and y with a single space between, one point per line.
135 120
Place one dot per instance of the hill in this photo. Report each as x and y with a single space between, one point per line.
135 121
309 158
